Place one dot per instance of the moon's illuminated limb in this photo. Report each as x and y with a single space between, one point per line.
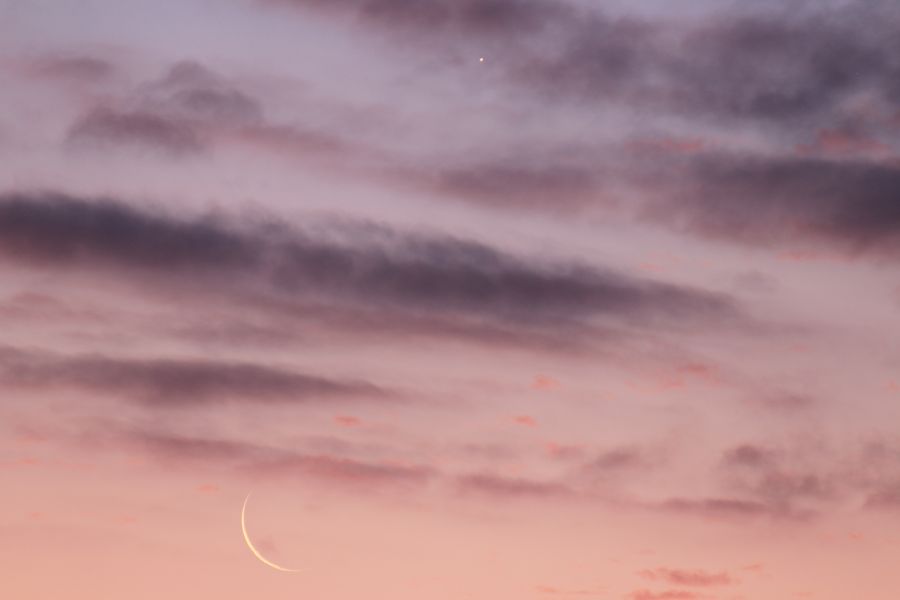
253 549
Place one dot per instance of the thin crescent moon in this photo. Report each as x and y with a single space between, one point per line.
253 549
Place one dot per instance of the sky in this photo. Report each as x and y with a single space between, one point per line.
475 299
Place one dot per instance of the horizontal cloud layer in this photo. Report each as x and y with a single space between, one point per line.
354 264
767 65
850 204
175 383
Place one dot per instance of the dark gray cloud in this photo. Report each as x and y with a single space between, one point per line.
176 383
538 184
839 206
268 323
186 111
50 228
788 484
786 66
779 65
781 200
459 16
75 67
594 58
105 128
352 264
790 68
801 71
191 92
760 482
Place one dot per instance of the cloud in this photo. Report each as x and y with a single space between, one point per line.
822 73
495 485
191 92
888 496
847 144
748 455
273 462
520 183
58 229
284 140
106 128
877 475
776 66
34 306
799 483
544 383
525 420
609 468
784 402
719 507
461 16
277 322
664 595
555 591
78 68
176 383
618 461
352 264
347 421
172 447
689 578
564 452
785 200
765 65
187 111
344 470
785 488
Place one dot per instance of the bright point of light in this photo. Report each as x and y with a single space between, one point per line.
481 59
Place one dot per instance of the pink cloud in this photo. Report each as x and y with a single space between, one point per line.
21 463
664 595
512 487
554 591
525 420
347 471
836 143
693 578
544 382
347 421
754 568
563 451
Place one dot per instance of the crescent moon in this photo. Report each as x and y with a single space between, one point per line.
253 549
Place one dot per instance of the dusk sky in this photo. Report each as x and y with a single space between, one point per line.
476 299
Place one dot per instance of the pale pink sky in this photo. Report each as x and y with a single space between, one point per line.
609 315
